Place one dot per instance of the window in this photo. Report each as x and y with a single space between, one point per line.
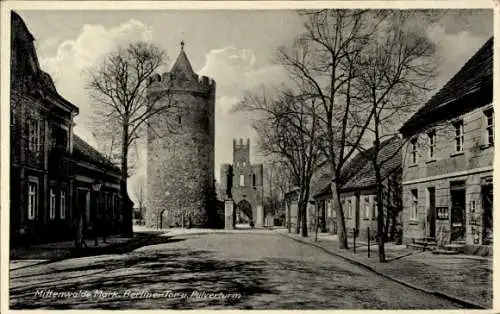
489 127
32 200
253 179
459 136
52 204
431 137
413 147
367 207
414 204
242 180
63 205
60 137
349 209
179 119
34 135
244 163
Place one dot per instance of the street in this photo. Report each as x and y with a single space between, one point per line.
252 270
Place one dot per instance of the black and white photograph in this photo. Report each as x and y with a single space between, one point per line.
247 157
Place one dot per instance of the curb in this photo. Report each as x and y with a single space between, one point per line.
467 303
71 254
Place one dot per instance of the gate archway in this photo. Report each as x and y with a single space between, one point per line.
244 212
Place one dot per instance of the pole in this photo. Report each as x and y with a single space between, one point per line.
354 239
368 241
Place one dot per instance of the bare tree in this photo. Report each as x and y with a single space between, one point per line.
287 128
394 74
118 88
325 61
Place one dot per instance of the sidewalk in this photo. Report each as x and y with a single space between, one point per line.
55 251
460 277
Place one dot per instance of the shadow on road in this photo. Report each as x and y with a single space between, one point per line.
49 255
177 270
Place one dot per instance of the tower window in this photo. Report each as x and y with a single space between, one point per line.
179 119
253 179
242 180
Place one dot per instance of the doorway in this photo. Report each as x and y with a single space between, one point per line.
244 213
487 198
457 193
83 206
431 212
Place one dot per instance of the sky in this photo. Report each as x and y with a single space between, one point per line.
236 48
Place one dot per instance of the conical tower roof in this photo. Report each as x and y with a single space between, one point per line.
182 63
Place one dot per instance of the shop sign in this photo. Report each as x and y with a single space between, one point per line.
442 213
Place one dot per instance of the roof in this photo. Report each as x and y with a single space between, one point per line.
86 151
182 63
323 185
476 74
359 173
390 157
38 79
17 20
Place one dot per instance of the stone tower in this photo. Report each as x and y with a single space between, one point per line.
180 161
247 182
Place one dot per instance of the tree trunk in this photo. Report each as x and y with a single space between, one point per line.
287 218
299 218
317 223
126 206
341 229
304 218
380 218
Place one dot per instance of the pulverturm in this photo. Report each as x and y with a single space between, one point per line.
180 163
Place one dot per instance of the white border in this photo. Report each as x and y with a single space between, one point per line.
6 6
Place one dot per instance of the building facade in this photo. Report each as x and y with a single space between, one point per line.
51 169
180 175
247 185
448 161
358 194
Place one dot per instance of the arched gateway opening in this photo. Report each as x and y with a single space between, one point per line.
244 213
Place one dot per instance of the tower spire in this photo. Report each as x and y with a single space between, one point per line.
182 63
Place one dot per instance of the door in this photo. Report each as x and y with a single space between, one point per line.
487 196
457 212
83 206
431 213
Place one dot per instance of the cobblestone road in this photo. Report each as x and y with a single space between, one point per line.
267 271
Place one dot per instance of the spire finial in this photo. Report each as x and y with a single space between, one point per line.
182 44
